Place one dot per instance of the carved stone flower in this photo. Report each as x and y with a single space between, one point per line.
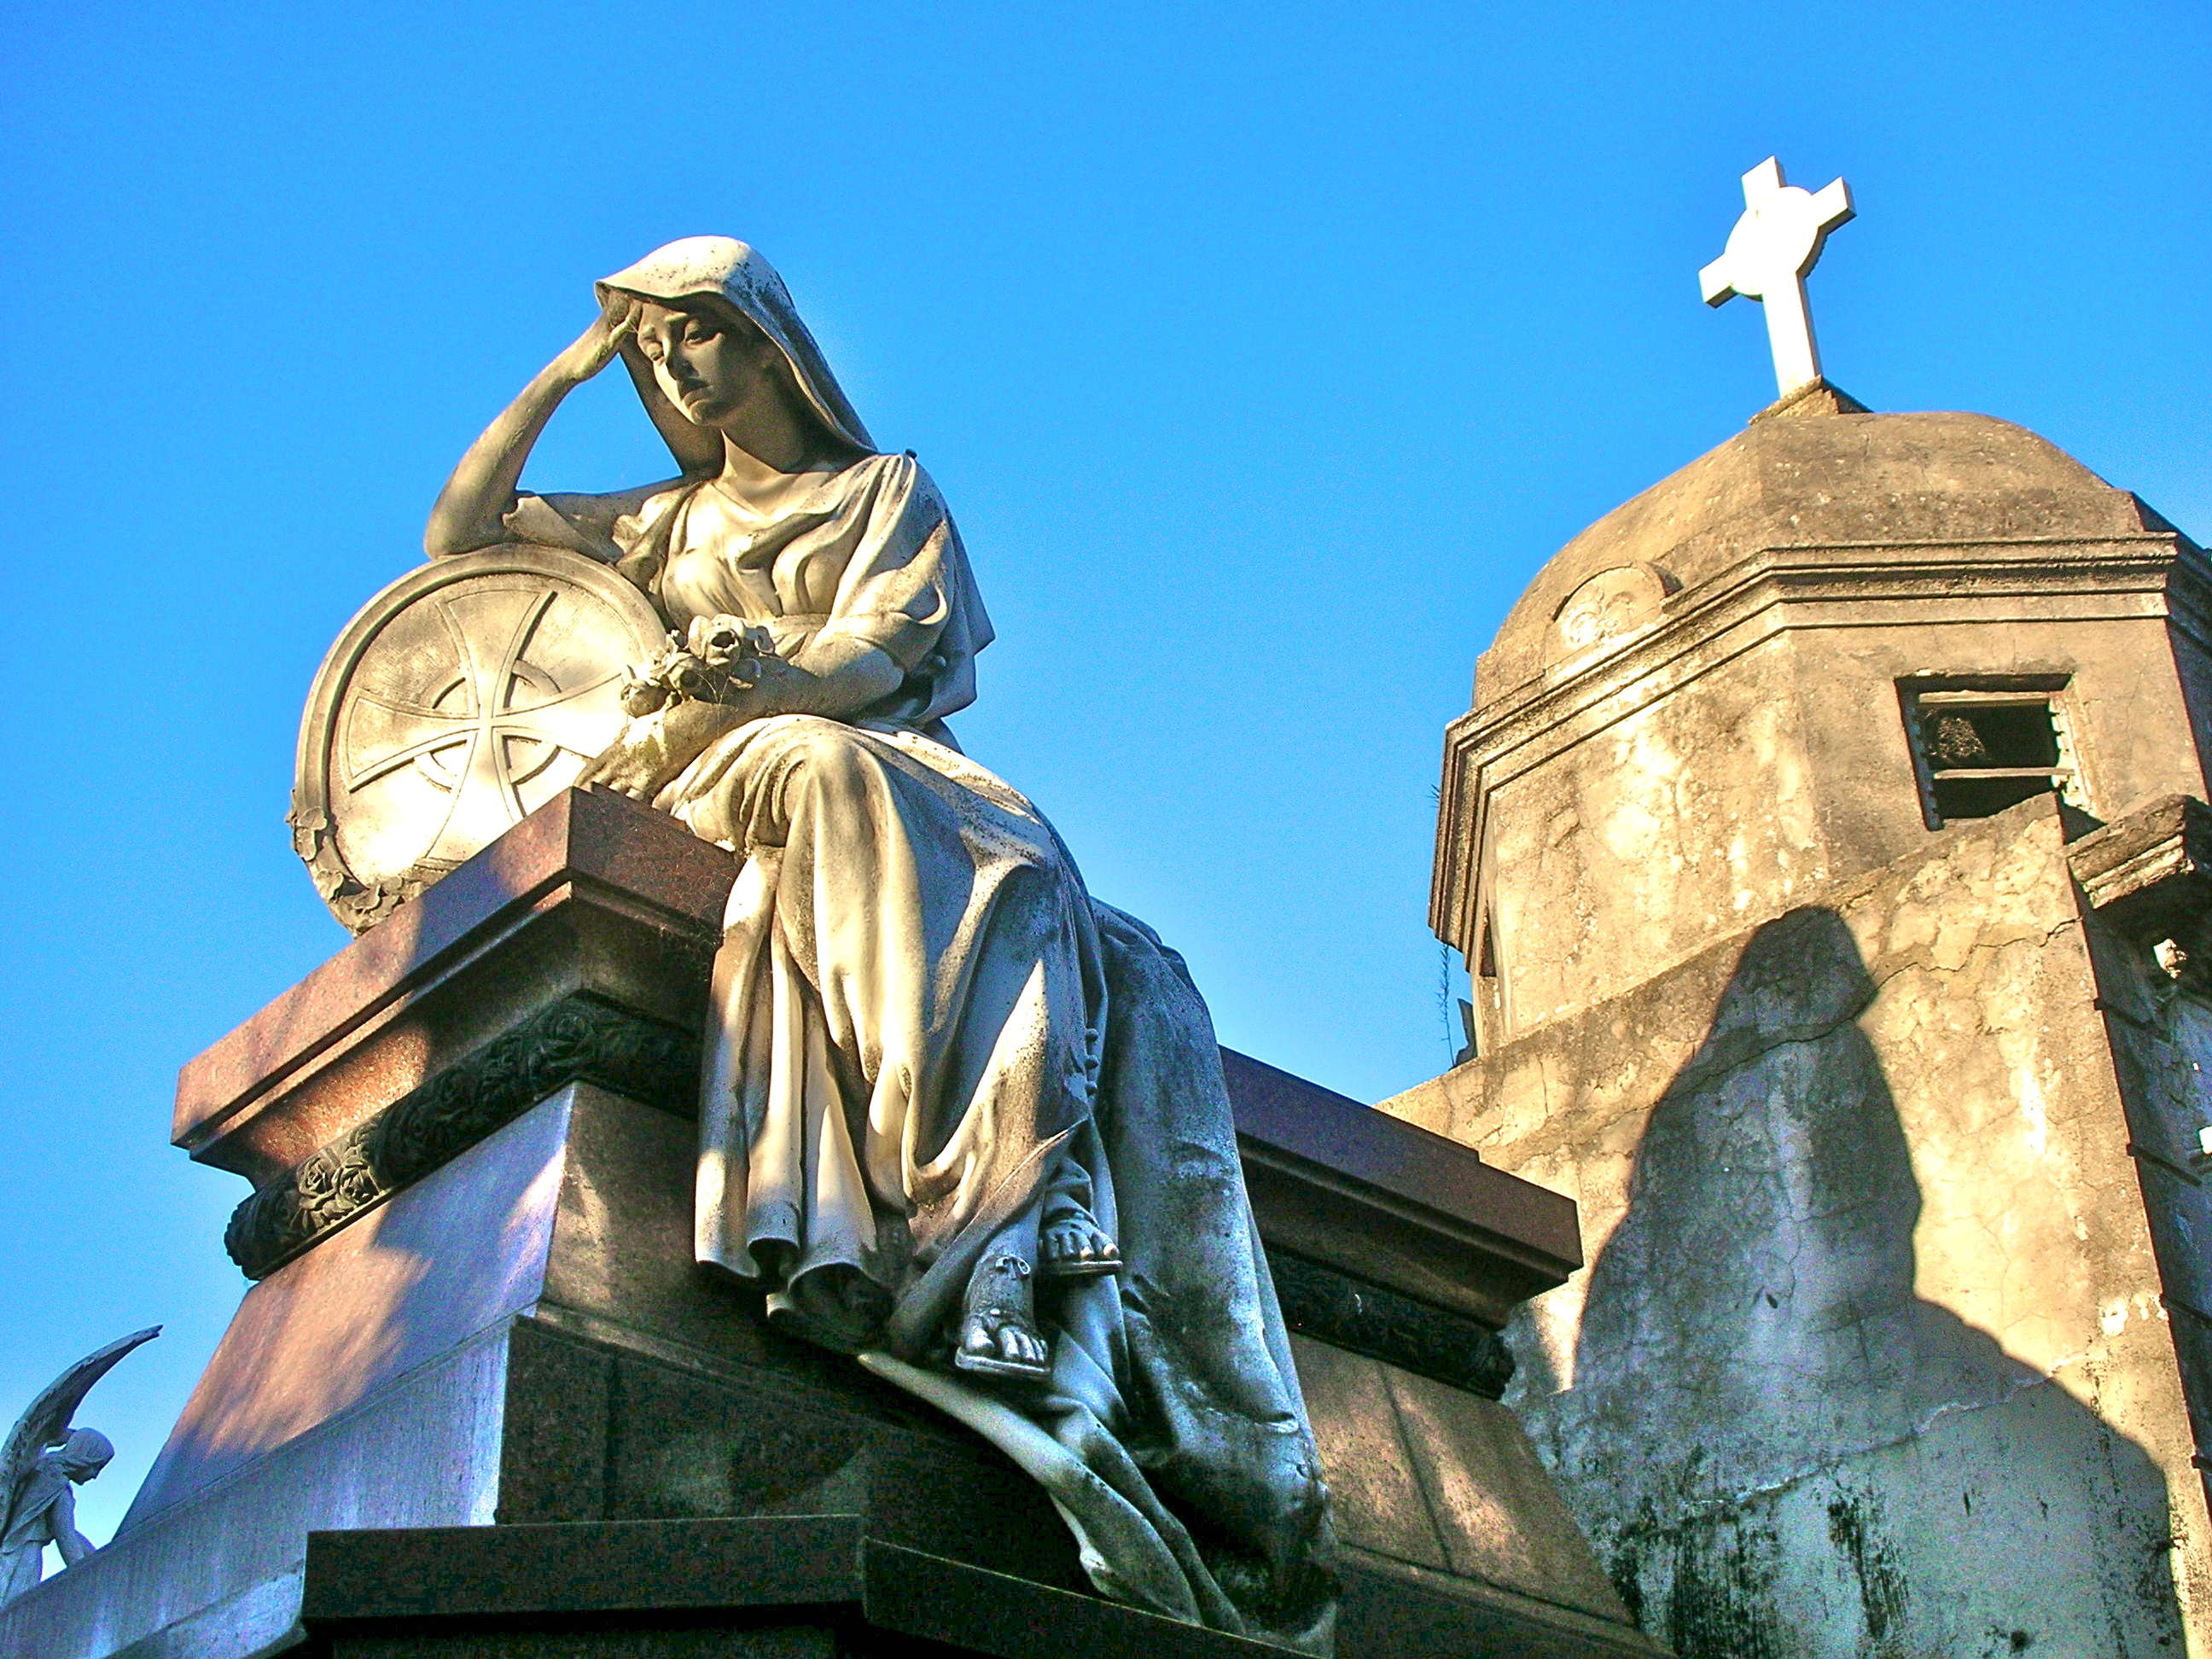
317 1179
357 1184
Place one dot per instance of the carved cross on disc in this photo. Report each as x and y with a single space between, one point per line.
463 696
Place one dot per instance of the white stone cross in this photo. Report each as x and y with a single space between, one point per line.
1773 246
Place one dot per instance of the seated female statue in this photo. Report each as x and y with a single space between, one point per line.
959 1119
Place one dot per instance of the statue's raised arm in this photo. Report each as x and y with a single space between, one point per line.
470 512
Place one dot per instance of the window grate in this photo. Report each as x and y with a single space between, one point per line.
1979 750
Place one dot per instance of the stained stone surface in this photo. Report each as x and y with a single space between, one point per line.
1892 1271
1384 1324
579 1038
404 1286
592 893
1418 1216
818 1585
1819 479
1884 1134
520 1340
1429 1477
595 916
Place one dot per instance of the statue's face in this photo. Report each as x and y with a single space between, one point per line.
708 366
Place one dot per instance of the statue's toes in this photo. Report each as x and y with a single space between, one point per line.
1076 1251
997 1343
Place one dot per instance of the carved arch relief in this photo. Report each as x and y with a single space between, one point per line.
1606 611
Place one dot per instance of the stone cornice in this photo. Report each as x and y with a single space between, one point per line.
2150 870
1390 1241
1333 1307
1776 590
596 890
1410 1213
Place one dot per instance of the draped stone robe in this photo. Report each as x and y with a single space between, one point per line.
32 1516
924 1026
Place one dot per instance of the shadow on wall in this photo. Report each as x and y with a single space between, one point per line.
1781 1450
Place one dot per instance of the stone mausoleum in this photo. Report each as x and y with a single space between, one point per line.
1827 849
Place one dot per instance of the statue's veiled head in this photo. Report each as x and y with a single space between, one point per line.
85 1454
718 325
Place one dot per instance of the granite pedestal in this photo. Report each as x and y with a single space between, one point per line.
480 1401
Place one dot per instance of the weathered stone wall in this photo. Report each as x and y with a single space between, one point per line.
2194 661
1663 817
1611 841
2124 703
1871 1357
2158 1016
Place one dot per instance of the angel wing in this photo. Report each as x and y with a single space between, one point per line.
47 1421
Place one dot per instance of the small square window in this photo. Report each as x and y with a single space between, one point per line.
1979 749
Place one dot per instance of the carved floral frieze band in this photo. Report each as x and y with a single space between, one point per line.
1349 1312
578 1039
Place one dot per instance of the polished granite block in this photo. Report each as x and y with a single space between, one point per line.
811 1585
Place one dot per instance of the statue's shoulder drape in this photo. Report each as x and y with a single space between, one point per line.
869 551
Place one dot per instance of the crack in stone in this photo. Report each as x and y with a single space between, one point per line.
1696 1075
1719 1507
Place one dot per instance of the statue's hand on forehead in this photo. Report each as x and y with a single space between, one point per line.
598 345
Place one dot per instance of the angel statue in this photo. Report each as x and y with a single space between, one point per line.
35 1482
959 1119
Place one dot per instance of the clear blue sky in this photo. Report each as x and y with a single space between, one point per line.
1263 352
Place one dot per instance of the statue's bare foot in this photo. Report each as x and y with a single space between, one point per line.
1075 1247
998 1335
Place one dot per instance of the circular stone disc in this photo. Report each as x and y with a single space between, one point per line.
465 695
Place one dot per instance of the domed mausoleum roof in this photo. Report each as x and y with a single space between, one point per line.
1800 476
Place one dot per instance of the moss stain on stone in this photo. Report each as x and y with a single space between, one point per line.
1704 1586
1626 1568
1852 1527
1720 1605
